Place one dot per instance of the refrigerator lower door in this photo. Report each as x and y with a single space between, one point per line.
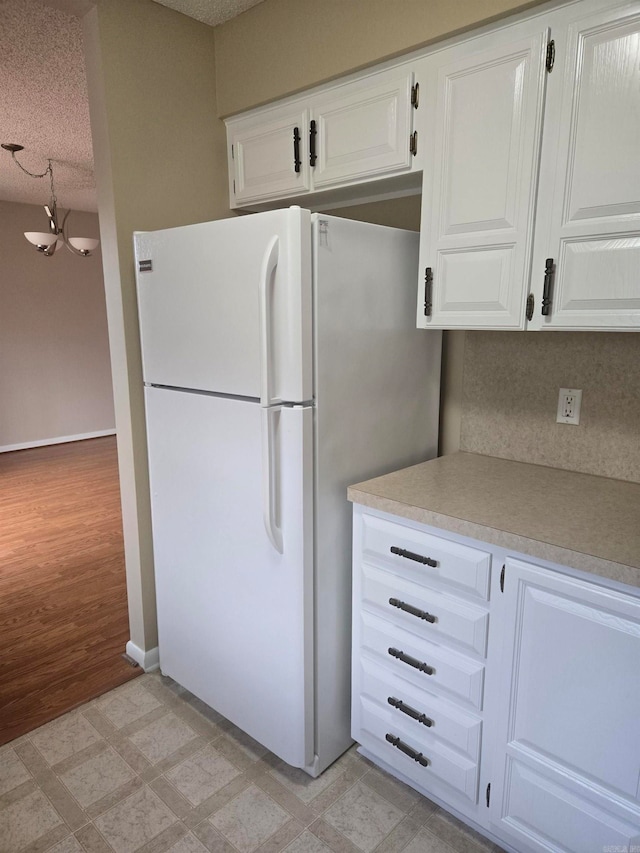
235 614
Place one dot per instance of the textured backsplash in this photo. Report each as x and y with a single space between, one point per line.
510 396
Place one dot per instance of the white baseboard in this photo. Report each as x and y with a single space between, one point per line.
61 439
149 660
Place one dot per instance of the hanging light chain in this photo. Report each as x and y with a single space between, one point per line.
47 171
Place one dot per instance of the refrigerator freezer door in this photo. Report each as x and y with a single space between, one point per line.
202 292
235 616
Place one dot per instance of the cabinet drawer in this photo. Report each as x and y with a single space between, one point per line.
442 720
425 664
444 764
432 614
406 551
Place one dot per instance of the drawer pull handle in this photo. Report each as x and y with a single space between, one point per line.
414 662
414 611
404 747
410 712
410 555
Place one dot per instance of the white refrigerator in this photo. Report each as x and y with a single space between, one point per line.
281 363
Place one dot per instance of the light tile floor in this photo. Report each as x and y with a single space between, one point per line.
148 768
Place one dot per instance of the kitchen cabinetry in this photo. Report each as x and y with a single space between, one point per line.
420 627
497 251
336 136
567 767
588 220
503 688
485 100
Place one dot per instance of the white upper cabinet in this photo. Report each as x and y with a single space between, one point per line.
485 99
589 208
531 198
337 136
269 154
363 129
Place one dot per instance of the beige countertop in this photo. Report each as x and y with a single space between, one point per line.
579 520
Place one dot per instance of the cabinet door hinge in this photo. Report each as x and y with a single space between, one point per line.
488 794
413 143
502 578
530 306
234 186
551 55
415 95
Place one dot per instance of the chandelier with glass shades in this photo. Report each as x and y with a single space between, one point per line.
48 241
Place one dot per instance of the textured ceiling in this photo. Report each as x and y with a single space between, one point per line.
43 95
212 12
43 105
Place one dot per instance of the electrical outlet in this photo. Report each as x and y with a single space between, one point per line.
569 402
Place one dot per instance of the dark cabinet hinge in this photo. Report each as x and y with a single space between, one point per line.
551 55
415 96
413 143
234 185
488 794
502 578
530 305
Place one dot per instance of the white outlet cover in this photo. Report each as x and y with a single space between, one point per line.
569 403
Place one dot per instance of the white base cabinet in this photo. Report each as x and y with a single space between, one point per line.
567 770
504 689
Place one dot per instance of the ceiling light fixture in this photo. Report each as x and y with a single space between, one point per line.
48 241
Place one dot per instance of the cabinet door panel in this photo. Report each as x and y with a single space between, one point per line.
363 129
263 155
589 215
548 816
572 710
480 179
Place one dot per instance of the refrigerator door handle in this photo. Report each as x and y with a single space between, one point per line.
270 478
269 264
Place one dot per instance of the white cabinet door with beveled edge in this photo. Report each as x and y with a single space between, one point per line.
588 221
566 714
362 129
268 154
485 98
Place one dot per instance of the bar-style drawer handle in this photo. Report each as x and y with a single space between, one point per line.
404 747
426 561
414 611
414 662
410 712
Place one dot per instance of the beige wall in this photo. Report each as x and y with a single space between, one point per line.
160 161
55 377
282 46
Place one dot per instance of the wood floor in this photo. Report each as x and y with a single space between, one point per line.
63 606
